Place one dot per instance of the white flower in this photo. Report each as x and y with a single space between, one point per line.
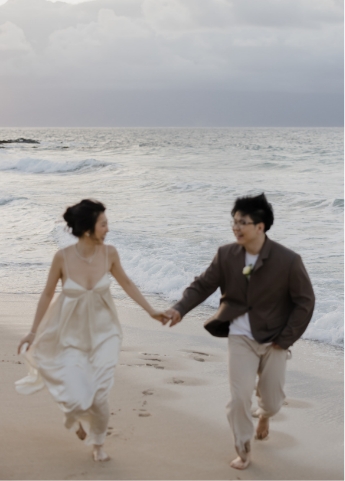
247 270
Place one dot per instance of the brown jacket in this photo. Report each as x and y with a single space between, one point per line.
278 297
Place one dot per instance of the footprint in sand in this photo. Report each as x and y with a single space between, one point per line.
198 355
149 364
178 381
153 358
144 414
201 356
148 392
13 362
156 366
186 381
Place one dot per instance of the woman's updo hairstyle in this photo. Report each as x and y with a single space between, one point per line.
82 217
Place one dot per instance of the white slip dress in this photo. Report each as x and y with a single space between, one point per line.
76 348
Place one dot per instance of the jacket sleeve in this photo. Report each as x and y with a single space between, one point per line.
303 299
202 287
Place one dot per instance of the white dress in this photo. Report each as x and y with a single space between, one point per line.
76 349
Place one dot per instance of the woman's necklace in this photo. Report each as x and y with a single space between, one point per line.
86 259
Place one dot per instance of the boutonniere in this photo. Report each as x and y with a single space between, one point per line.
247 270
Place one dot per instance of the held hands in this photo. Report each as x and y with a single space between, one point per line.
164 317
174 315
26 340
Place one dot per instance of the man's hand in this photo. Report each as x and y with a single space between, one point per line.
174 315
162 317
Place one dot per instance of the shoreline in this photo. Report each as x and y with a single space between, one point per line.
168 406
196 317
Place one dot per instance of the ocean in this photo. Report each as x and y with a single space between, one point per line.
169 193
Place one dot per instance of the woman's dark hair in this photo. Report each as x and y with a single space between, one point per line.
258 209
82 217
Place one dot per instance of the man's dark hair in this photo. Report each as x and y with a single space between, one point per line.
258 209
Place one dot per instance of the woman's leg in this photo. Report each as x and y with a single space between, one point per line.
98 428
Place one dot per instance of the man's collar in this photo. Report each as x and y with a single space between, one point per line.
263 254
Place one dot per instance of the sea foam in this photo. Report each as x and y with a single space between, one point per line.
44 166
169 201
7 200
328 328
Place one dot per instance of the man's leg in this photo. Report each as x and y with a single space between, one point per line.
243 366
270 389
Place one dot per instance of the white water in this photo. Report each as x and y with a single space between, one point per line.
169 193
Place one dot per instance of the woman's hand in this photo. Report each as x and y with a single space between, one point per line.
26 340
55 274
162 317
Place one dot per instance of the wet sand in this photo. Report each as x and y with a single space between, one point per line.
168 416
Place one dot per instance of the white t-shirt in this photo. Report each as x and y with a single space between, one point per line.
241 326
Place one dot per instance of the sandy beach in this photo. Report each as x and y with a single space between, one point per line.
168 410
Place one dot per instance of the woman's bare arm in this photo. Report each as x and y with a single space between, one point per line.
54 275
131 289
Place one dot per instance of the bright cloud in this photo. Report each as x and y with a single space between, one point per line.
75 51
12 38
235 44
290 45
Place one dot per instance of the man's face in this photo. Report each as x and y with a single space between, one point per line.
245 230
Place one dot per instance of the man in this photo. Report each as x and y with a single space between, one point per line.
266 304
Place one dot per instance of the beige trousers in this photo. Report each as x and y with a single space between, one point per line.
248 358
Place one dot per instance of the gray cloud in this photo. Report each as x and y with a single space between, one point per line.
287 46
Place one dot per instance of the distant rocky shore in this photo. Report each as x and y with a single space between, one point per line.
19 141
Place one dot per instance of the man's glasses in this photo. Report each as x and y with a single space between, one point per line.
240 223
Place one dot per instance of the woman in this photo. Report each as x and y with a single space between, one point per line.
75 342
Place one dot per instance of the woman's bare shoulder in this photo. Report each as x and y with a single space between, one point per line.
61 253
112 252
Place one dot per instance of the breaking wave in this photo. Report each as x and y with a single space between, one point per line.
42 166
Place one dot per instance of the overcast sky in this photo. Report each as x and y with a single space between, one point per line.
171 62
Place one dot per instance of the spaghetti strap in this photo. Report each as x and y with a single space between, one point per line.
106 260
65 259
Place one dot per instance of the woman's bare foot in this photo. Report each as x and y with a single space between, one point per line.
263 428
81 433
99 454
239 463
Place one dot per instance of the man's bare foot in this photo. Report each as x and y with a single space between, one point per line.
99 454
263 428
239 463
81 433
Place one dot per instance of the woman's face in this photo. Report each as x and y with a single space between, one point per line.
101 229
